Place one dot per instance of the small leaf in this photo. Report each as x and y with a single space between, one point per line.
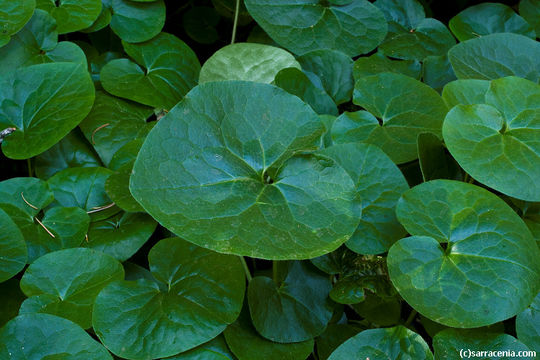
378 344
117 188
184 307
71 15
136 22
378 63
72 279
44 336
28 194
13 16
298 309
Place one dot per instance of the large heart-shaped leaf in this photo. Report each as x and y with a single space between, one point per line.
497 55
42 118
136 22
528 325
246 61
453 344
305 25
13 16
196 294
410 35
12 248
163 71
113 122
489 18
384 344
66 282
219 171
297 309
71 15
246 343
72 151
399 108
497 142
379 184
121 235
44 336
489 256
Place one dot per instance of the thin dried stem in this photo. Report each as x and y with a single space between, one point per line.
100 208
27 203
96 130
43 226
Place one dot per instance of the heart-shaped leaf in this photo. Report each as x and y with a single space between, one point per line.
399 108
121 235
453 344
71 15
197 293
113 122
489 18
384 344
497 142
246 61
379 184
69 224
298 309
12 248
355 28
42 118
489 256
136 22
223 145
497 55
44 336
66 282
163 71
528 325
246 343
13 16
379 63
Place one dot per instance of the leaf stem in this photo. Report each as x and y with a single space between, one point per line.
411 317
235 24
29 163
246 269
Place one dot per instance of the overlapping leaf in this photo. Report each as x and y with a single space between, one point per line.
71 15
136 22
13 16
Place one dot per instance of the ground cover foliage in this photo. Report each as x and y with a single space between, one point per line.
269 179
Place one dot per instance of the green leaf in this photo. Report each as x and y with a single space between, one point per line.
437 71
434 162
528 325
332 70
530 10
44 336
126 154
489 18
399 108
379 184
410 35
497 55
497 142
163 71
28 194
69 224
298 309
456 344
136 22
215 349
81 187
121 235
43 118
333 337
112 123
383 344
302 26
12 248
223 145
466 92
103 19
339 261
295 82
11 298
13 16
197 293
72 279
71 15
246 61
72 151
378 63
489 257
246 343
117 188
